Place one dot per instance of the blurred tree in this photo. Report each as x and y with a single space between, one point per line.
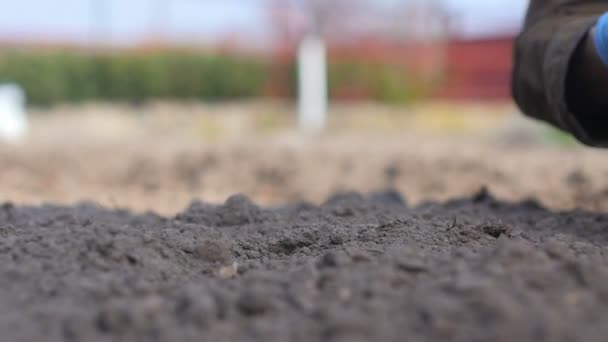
330 18
423 20
390 50
339 20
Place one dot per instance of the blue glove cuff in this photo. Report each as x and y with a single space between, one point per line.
601 38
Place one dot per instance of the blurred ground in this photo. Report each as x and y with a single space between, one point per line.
468 264
453 261
162 156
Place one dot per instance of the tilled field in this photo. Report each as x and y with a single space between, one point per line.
475 240
357 268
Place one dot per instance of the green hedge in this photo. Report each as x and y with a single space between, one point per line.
51 78
382 82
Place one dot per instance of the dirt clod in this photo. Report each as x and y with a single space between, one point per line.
214 251
253 303
494 230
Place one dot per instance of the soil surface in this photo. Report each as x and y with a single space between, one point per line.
357 268
486 235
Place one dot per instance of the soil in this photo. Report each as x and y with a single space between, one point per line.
150 176
474 240
357 268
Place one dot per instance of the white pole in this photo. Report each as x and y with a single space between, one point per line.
13 116
312 85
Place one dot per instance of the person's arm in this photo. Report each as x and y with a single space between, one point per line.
558 76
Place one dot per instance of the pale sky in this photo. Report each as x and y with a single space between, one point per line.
480 16
199 19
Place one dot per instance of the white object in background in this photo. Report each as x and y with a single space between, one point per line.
312 85
13 116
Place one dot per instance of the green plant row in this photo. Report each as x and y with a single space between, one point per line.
384 83
51 78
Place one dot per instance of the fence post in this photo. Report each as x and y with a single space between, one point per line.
312 85
13 116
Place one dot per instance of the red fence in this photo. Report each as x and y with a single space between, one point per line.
456 69
478 69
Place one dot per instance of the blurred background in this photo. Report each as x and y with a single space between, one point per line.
149 104
390 51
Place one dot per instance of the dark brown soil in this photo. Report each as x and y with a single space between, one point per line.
357 268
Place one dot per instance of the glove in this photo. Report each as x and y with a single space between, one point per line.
601 38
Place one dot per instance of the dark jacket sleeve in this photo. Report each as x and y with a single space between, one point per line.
552 32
